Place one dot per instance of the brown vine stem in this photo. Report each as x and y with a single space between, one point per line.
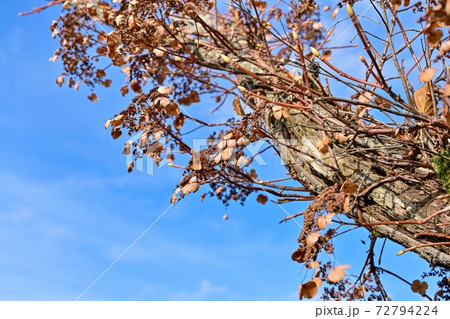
342 73
401 252
404 222
399 277
39 9
432 234
367 47
289 105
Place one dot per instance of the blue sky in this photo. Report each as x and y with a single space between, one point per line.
68 208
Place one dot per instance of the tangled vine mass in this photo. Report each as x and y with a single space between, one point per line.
366 142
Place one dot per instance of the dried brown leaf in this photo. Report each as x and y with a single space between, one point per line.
349 188
427 74
190 188
323 145
116 132
312 239
422 98
434 37
321 222
309 290
178 122
227 153
334 13
237 107
262 199
130 166
219 189
419 287
165 90
93 97
172 109
347 204
337 273
277 111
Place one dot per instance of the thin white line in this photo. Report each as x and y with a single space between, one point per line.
342 34
124 252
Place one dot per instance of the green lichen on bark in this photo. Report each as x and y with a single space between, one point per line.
442 168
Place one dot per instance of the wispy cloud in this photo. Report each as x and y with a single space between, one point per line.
205 291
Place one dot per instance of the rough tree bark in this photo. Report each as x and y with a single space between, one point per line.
396 200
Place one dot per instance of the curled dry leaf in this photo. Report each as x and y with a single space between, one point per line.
163 101
107 123
231 143
130 166
219 189
324 144
321 222
243 141
313 264
93 97
124 90
309 290
328 218
242 160
419 287
228 136
227 153
262 199
341 138
349 188
218 158
116 121
196 162
327 55
170 158
434 37
312 239
277 111
165 90
127 149
60 80
337 273
334 13
172 109
237 107
427 74
116 132
157 135
225 217
221 145
190 188
178 122
422 98
193 179
299 255
444 48
173 199
347 204
365 97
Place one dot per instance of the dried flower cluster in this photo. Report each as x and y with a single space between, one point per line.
365 158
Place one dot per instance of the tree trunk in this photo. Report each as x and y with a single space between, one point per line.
395 200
